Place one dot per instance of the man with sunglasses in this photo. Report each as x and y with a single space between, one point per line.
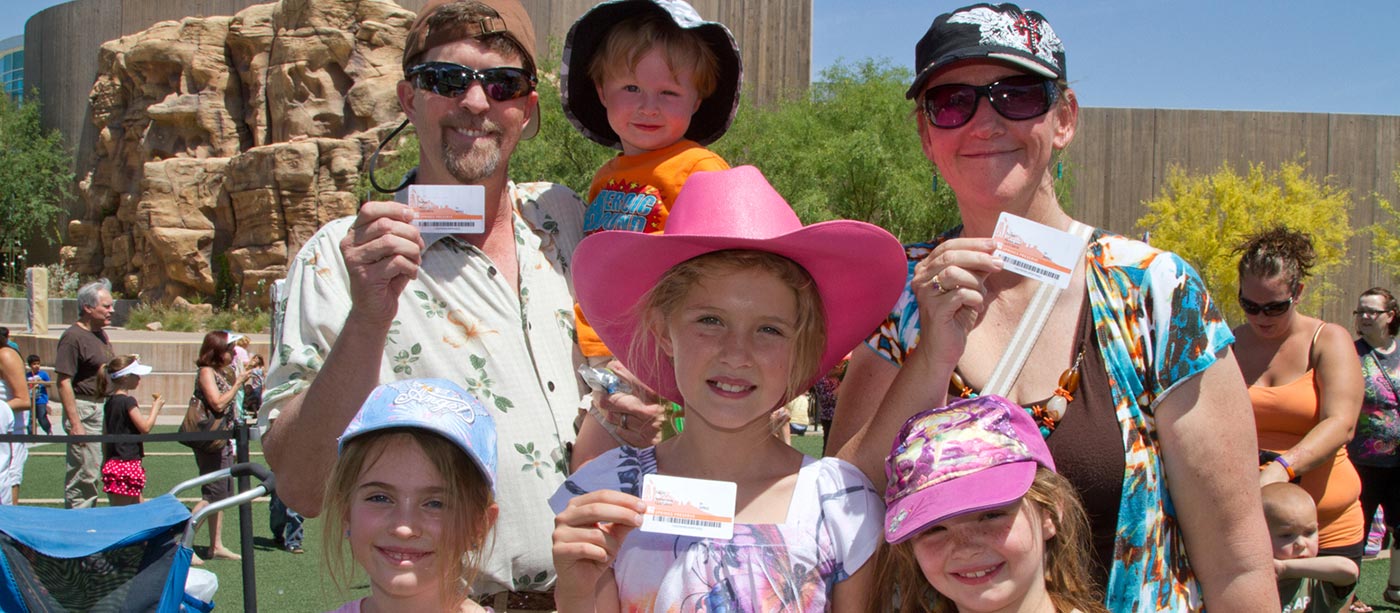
371 300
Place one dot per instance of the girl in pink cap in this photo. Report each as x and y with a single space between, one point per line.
978 519
731 313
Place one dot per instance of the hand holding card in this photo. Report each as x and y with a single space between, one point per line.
1037 251
448 209
689 507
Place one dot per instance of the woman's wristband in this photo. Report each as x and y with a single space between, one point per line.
1288 468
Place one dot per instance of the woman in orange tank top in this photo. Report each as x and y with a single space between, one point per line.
1305 385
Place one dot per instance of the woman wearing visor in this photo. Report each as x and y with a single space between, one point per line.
1130 376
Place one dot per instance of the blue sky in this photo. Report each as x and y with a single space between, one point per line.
1261 55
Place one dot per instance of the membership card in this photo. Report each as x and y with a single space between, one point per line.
448 209
689 507
1036 250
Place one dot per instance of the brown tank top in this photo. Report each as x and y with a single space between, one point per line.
1087 446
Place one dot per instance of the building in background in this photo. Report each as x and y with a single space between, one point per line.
12 66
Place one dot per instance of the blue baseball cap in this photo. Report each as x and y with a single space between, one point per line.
437 405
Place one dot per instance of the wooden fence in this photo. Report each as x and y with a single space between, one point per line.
1120 159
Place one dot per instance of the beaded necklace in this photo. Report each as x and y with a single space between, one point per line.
1049 413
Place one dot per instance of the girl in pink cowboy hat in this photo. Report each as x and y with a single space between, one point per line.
732 312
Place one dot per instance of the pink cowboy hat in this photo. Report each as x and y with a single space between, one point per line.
859 268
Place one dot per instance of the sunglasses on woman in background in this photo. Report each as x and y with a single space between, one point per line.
1271 309
452 80
1017 98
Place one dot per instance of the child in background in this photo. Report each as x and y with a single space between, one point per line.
731 319
1305 580
412 492
978 520
39 392
123 476
253 389
653 79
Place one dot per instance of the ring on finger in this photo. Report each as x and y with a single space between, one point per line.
622 423
939 287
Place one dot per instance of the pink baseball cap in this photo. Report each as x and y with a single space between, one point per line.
972 455
859 268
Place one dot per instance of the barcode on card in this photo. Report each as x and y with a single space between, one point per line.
445 224
685 521
1032 268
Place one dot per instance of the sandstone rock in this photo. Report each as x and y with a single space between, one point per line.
233 135
203 310
155 326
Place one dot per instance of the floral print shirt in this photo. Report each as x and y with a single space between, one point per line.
1156 327
460 320
832 529
1377 439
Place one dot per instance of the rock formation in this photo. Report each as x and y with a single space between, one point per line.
225 142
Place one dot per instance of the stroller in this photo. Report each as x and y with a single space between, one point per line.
131 558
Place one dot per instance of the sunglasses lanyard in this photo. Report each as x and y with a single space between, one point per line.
1030 327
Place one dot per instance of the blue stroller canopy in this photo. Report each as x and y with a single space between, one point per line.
110 558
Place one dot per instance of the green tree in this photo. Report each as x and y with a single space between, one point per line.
35 174
1203 218
848 149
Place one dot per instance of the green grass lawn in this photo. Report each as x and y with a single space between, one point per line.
296 583
285 581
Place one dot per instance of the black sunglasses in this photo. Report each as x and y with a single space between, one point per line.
452 80
1272 309
1017 98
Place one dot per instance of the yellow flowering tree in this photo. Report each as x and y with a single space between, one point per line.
1385 239
1203 218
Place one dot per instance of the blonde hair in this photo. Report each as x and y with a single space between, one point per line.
105 385
630 39
467 496
1281 498
809 331
1066 559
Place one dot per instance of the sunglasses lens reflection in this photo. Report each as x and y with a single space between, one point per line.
1016 98
452 80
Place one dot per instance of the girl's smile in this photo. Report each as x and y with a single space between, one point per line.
989 561
731 338
396 516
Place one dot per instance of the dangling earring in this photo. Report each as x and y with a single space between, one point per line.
1060 170
935 182
347 533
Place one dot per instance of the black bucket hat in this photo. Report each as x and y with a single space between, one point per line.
580 95
997 31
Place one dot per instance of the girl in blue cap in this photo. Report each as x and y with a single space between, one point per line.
413 494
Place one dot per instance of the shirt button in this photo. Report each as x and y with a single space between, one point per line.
491 270
550 385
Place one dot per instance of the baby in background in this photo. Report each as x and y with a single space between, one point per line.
1305 579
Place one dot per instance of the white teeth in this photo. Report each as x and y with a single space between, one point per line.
977 575
393 555
733 389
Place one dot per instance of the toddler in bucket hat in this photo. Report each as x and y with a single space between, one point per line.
414 485
974 505
654 79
